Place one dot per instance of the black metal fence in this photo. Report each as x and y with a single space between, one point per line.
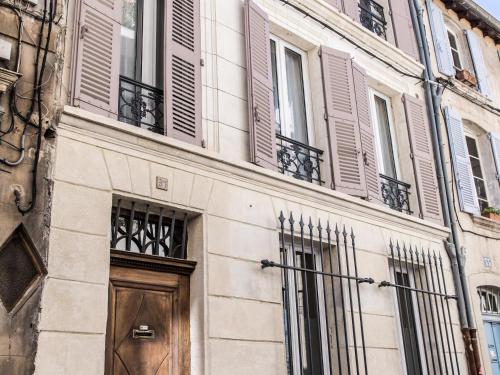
142 228
299 160
322 308
396 194
424 311
371 16
141 105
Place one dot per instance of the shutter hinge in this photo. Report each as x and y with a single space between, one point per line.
411 155
83 30
319 52
325 116
203 143
202 62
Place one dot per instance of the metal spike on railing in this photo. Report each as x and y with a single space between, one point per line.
282 219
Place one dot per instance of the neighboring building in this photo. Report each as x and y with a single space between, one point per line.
245 187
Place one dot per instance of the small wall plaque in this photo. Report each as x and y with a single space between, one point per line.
161 183
488 263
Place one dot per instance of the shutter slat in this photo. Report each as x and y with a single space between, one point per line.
342 118
372 175
183 71
335 3
478 61
260 87
441 43
495 146
403 27
98 57
423 158
351 9
461 162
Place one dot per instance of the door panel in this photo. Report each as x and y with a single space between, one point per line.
148 327
493 336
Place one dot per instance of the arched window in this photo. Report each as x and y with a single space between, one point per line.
490 296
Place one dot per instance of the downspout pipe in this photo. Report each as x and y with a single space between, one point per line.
433 101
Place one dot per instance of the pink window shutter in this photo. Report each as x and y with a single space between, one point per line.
372 175
403 27
183 71
98 57
342 119
351 8
423 158
260 87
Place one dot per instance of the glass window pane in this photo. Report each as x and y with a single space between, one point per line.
274 66
476 167
472 146
385 139
453 41
480 188
128 48
296 106
152 43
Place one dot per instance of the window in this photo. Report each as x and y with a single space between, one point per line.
381 109
454 50
489 300
477 173
291 91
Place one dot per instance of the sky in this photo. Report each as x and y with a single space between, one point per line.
492 6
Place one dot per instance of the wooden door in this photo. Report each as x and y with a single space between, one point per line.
148 323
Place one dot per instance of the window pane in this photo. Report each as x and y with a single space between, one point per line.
408 326
274 65
472 146
480 188
308 317
152 43
476 167
128 49
384 131
453 41
296 106
456 59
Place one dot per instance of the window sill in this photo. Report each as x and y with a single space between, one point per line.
486 223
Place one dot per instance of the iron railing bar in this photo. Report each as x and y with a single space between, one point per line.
344 318
425 311
116 223
130 228
419 311
438 315
144 229
444 315
140 84
286 293
268 263
360 313
294 255
373 15
171 231
449 316
408 307
412 310
431 305
298 143
156 250
337 338
351 305
184 236
390 284
396 181
305 291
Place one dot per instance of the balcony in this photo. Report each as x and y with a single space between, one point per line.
140 105
299 160
371 16
396 194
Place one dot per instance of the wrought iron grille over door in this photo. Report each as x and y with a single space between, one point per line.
424 311
321 298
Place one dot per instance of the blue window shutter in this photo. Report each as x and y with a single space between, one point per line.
441 43
478 60
495 145
461 163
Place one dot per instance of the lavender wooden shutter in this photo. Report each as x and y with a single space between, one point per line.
478 60
183 71
351 9
342 119
372 175
260 87
461 162
495 146
423 158
441 43
403 27
98 57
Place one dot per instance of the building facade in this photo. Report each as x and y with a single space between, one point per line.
229 186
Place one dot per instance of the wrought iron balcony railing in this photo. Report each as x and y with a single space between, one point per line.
140 105
371 16
396 194
299 160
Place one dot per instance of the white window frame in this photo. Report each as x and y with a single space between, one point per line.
376 127
418 326
468 134
286 129
293 315
457 50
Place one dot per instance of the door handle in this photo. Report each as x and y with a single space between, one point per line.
143 333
